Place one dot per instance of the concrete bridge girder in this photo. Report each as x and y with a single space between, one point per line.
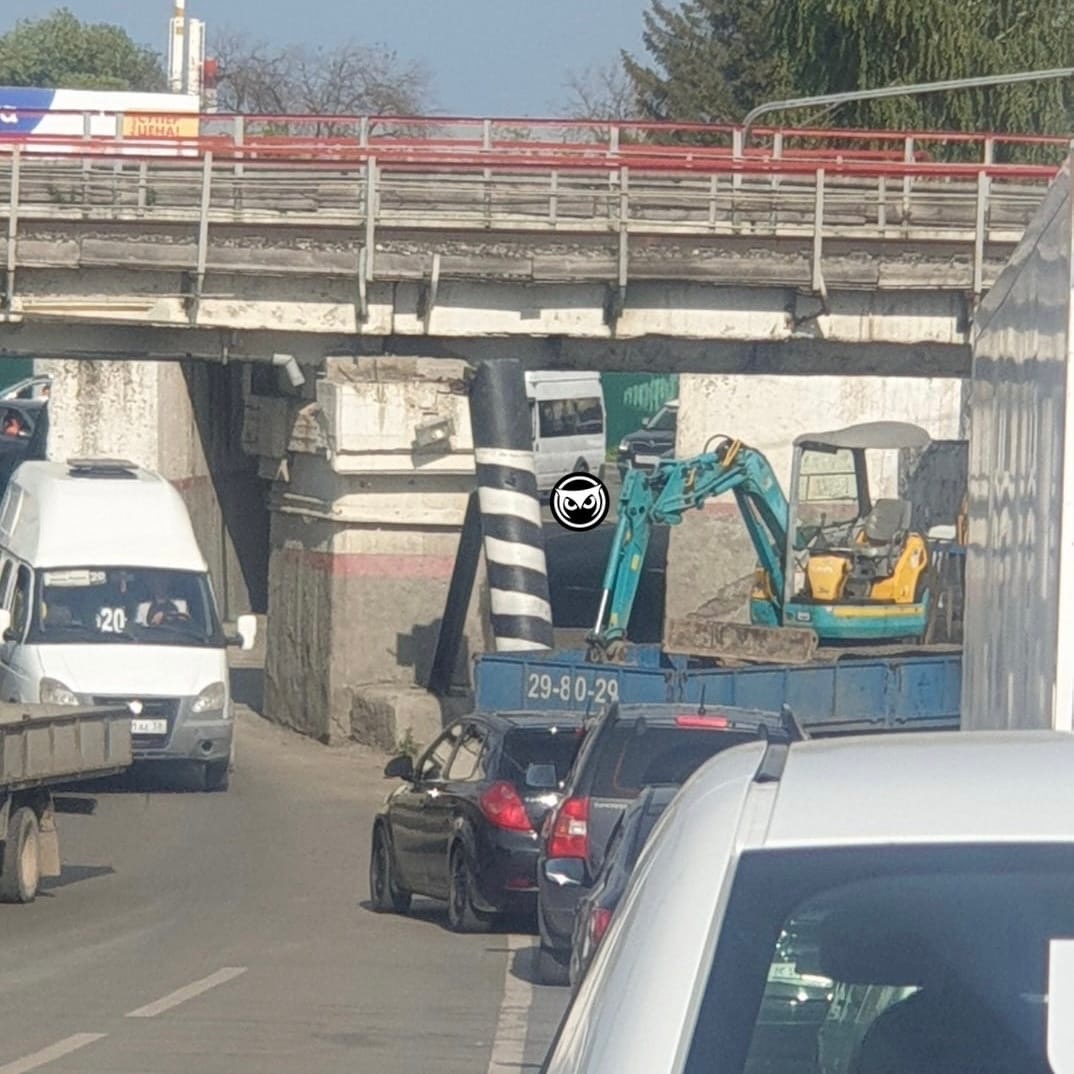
498 309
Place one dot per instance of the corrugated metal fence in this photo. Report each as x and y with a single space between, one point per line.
631 397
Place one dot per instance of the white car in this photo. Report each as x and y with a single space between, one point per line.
899 902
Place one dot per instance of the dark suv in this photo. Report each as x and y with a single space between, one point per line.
628 748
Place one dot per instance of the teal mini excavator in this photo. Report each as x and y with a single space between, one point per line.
854 574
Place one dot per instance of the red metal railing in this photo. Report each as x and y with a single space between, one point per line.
465 143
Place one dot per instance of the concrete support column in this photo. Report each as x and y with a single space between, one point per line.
366 513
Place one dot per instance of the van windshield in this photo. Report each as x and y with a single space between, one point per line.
87 605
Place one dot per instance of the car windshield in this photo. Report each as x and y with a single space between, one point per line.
525 746
105 605
916 959
663 421
630 759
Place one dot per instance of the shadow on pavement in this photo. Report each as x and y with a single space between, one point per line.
159 777
524 968
248 687
74 874
431 912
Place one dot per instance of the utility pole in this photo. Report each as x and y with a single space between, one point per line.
900 91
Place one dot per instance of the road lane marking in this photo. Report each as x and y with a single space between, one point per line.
181 995
509 1044
53 1051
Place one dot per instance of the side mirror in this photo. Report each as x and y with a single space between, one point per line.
565 872
5 625
542 777
401 767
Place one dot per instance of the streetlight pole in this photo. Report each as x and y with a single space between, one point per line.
900 91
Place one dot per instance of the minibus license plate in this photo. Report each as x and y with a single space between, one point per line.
646 460
149 727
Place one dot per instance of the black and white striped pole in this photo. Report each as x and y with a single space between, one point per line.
515 563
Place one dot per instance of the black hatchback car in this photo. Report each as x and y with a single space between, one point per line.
628 748
463 826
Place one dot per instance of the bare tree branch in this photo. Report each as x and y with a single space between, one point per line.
602 92
349 79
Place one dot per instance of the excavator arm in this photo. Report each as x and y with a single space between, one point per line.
661 498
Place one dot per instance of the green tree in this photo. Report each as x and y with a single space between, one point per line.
710 61
840 45
59 51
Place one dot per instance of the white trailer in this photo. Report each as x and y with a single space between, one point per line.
1018 653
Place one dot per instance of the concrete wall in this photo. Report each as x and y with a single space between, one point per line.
228 501
364 534
709 554
183 420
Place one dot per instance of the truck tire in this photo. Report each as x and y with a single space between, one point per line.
21 869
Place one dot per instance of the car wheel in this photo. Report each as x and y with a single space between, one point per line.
384 894
550 971
462 917
574 968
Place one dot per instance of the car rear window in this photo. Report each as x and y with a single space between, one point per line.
525 746
628 760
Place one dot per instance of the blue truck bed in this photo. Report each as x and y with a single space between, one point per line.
849 695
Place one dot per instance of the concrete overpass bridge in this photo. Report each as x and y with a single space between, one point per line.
382 255
586 249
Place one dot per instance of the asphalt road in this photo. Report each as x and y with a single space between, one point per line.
226 933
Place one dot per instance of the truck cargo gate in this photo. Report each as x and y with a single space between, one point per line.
843 696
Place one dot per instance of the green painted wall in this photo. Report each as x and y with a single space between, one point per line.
631 397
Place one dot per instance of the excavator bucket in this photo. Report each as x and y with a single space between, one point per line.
702 636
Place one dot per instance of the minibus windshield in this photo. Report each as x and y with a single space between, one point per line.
94 605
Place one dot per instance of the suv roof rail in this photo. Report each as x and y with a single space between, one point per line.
770 770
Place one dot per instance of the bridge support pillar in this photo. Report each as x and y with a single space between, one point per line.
367 506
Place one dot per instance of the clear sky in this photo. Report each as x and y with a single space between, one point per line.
487 57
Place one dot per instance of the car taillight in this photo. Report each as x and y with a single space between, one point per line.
569 837
700 723
599 920
502 807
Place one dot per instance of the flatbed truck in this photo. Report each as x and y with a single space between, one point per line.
42 747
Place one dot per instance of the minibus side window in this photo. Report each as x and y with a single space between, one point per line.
21 606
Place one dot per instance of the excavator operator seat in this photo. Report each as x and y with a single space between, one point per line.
887 521
880 538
